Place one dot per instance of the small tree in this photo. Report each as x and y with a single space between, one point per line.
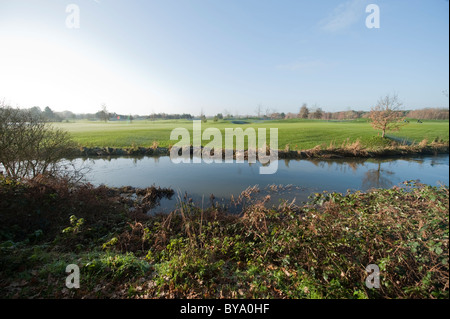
318 113
103 113
29 146
304 111
386 115
35 110
259 110
49 114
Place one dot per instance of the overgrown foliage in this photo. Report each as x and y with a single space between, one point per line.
48 205
317 250
28 146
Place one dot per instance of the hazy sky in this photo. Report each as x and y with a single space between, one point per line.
140 57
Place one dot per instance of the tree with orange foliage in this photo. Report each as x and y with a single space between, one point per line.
387 114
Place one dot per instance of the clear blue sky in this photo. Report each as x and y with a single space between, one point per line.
181 56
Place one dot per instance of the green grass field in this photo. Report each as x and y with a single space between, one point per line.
298 134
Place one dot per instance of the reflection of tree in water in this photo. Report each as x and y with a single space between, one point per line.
381 178
396 161
437 161
354 165
339 165
377 178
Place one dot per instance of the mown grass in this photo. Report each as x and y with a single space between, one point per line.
317 250
295 134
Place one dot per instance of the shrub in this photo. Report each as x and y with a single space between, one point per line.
29 146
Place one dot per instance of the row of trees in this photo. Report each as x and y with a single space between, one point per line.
103 115
164 116
318 113
430 114
304 113
49 114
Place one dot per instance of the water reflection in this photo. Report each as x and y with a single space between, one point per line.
306 176
378 178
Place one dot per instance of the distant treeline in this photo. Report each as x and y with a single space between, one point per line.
164 116
423 114
53 116
430 114
304 113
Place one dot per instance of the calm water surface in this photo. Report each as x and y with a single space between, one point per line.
298 178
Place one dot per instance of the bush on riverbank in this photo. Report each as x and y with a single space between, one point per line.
318 250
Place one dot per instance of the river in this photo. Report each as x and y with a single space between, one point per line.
294 179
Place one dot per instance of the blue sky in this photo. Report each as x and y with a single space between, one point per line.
178 56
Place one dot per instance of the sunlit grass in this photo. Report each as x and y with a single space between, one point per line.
297 134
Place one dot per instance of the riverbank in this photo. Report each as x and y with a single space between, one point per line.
353 150
317 250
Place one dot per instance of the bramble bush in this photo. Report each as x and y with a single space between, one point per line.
317 250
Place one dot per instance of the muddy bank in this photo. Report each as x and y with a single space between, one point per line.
112 151
140 201
317 152
394 151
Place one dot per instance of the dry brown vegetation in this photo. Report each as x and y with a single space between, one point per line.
318 250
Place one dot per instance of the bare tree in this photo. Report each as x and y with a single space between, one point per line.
304 111
203 116
387 115
29 146
318 113
103 113
226 113
259 110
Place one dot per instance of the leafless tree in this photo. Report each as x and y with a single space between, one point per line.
29 146
104 114
259 110
304 111
387 115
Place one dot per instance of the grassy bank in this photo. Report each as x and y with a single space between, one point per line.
319 250
347 150
292 134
